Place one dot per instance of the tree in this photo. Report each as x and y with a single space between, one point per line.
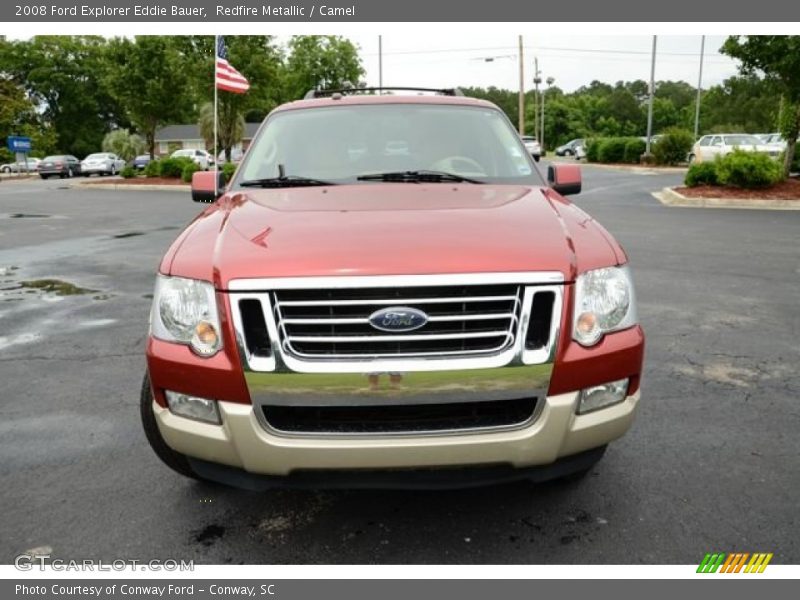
230 127
150 79
65 78
124 144
320 61
778 58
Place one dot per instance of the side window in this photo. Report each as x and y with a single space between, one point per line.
717 141
705 140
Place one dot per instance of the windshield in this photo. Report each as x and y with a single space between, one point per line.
339 144
742 140
95 156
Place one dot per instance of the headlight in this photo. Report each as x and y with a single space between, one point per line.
185 311
604 302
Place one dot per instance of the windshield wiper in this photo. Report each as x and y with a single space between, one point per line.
425 176
284 181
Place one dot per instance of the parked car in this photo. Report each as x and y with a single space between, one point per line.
709 147
569 149
440 315
102 163
30 165
141 161
202 159
60 165
533 146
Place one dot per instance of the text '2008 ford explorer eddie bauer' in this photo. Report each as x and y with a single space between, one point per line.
388 293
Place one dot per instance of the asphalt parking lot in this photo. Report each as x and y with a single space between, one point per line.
712 463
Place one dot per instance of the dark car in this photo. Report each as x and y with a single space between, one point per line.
570 148
61 165
141 161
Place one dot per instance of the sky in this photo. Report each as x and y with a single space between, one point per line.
449 59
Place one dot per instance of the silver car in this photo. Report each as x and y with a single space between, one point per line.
21 167
102 163
709 147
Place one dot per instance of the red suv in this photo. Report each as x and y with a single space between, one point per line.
388 293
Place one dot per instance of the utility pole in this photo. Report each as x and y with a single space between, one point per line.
699 89
549 81
521 89
650 103
380 62
536 80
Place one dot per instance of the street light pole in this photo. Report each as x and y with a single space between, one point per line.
536 80
699 89
380 62
521 89
650 103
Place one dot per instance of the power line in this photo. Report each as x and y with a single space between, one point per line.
541 48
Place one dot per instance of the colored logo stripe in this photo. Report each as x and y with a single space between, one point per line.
734 562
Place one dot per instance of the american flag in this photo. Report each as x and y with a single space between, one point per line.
228 78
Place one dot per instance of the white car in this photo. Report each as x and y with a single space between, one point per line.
533 146
709 147
102 163
20 166
201 158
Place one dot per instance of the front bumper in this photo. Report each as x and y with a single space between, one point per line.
242 442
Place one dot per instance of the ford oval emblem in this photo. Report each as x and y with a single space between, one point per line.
398 318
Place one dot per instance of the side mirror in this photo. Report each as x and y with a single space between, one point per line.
207 186
565 179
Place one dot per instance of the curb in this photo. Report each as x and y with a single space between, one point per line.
119 187
670 197
641 169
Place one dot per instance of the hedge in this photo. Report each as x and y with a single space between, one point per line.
738 169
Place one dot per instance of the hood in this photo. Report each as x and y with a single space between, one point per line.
389 229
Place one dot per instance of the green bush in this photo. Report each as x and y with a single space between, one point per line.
704 173
673 146
153 168
593 150
748 169
128 172
188 170
173 167
228 169
612 150
634 148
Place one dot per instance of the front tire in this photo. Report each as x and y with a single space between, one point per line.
536 158
174 460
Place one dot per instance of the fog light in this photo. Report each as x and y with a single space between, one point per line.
600 396
192 407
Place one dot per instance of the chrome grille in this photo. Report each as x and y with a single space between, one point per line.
462 320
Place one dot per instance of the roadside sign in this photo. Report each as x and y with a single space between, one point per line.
18 143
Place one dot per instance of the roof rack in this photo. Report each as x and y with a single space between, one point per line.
311 94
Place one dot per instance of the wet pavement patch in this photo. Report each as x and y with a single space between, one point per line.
56 286
209 535
130 234
23 216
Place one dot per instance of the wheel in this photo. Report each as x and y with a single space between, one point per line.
536 158
174 460
568 153
6 169
44 176
692 159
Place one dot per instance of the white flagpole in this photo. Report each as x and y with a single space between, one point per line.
216 153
